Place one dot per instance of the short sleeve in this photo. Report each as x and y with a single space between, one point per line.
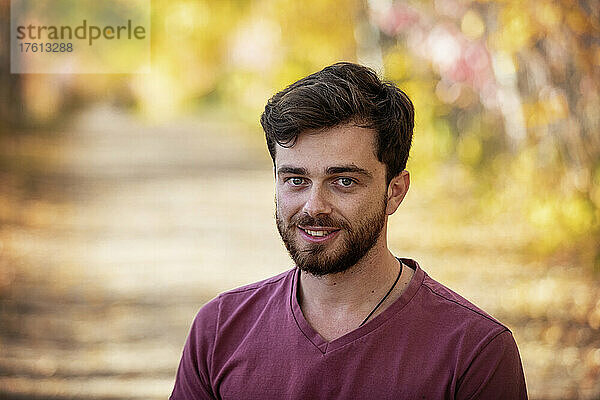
495 373
193 377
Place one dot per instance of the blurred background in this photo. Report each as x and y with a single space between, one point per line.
127 201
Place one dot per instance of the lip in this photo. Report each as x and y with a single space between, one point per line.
320 239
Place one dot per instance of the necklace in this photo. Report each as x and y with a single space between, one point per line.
384 297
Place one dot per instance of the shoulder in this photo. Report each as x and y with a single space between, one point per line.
457 322
454 320
482 348
248 299
265 289
264 285
224 319
440 296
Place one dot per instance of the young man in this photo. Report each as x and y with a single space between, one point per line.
351 321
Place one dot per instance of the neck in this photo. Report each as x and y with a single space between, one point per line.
369 274
346 298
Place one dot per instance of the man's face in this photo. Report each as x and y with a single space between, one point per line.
331 198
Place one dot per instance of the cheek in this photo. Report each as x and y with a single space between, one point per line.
287 203
355 209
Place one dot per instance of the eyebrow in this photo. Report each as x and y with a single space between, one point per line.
292 170
338 169
350 168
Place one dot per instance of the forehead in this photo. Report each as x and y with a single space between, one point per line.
341 145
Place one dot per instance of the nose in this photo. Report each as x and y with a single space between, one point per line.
317 203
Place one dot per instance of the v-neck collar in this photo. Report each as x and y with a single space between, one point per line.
324 346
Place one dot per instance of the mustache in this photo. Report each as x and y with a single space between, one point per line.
320 221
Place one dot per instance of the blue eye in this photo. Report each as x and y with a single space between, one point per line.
346 182
296 181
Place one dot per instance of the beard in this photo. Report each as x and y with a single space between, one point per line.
329 258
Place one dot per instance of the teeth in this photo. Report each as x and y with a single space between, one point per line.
317 233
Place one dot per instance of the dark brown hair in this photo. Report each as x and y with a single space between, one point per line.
338 94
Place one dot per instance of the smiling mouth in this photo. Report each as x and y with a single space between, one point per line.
321 233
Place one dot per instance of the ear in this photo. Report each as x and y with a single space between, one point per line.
396 191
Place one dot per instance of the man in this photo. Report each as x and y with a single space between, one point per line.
351 321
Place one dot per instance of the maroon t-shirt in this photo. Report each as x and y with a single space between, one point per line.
254 343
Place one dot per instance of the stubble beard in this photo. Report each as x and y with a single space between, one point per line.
329 258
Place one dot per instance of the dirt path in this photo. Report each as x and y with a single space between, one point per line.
148 223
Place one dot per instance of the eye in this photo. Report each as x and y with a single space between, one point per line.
345 182
295 181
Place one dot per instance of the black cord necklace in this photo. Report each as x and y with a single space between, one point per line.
384 297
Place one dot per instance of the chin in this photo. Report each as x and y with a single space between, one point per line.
326 263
